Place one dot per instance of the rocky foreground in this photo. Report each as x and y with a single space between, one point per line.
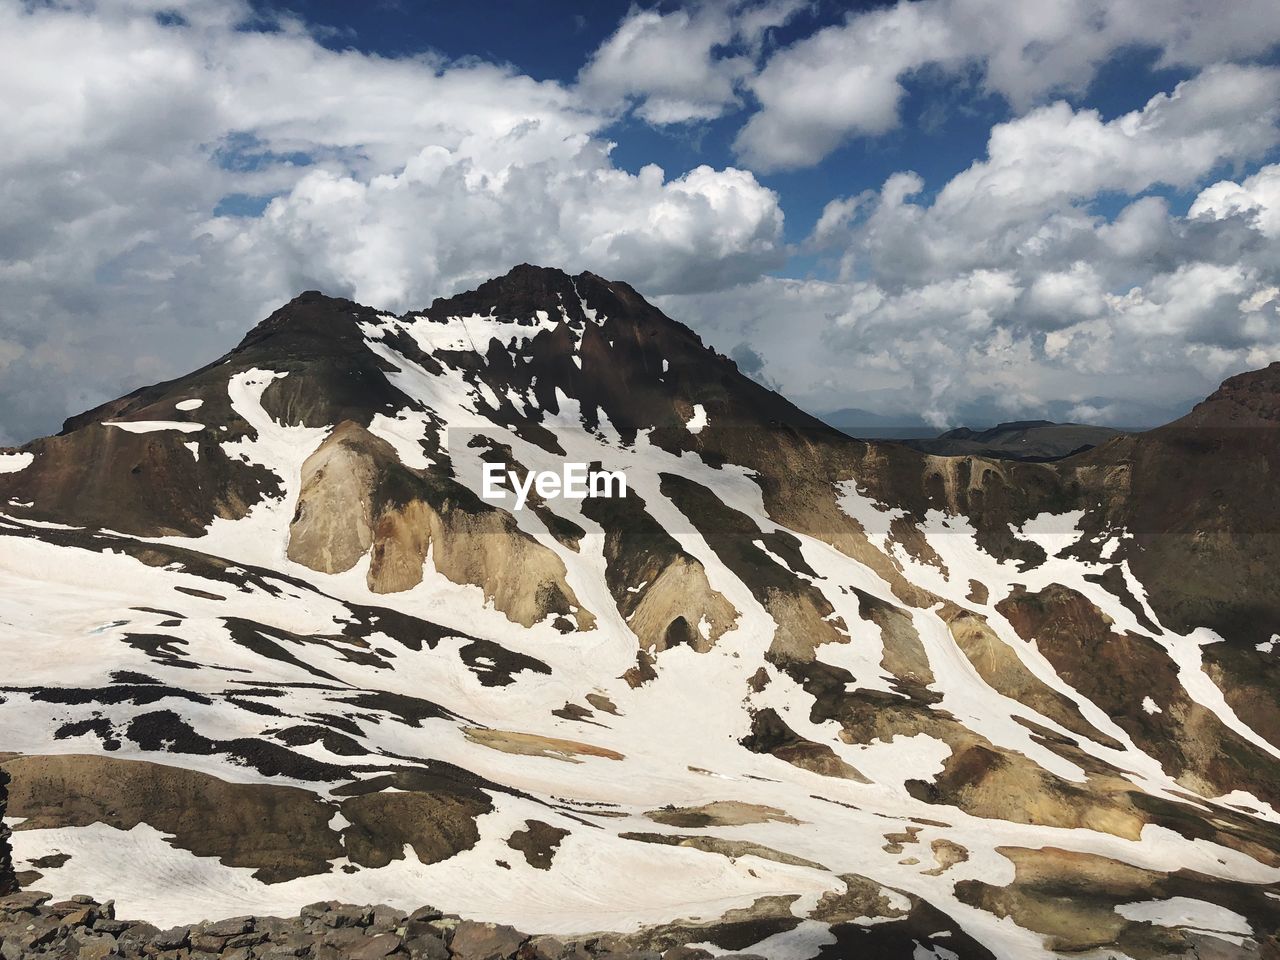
31 925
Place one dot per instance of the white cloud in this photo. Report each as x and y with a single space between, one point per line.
1257 197
840 80
1022 200
677 66
666 61
847 80
441 223
1007 293
833 224
1192 302
1074 293
1056 154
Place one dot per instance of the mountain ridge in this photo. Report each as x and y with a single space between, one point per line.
1027 440
792 678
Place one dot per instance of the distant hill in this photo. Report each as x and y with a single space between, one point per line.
1037 440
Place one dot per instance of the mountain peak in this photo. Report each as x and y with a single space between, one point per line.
309 323
1249 399
516 295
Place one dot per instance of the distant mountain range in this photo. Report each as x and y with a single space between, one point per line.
1032 440
265 640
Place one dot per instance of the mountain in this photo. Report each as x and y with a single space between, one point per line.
268 640
1038 440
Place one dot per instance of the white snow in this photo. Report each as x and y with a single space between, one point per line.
405 432
154 426
1186 912
13 462
193 404
471 333
1150 706
698 421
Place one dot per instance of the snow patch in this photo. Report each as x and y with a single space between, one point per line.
13 462
1186 912
698 421
154 426
405 432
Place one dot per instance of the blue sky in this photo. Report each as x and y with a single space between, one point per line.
962 210
945 125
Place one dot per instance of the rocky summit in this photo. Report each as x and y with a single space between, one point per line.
269 651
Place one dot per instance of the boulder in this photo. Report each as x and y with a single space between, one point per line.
8 881
485 941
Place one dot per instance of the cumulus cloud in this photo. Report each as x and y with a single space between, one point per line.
167 180
442 223
1056 153
1022 202
1256 197
841 80
1006 292
848 79
683 65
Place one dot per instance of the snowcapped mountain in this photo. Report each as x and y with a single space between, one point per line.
267 641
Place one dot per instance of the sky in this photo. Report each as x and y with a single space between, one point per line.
962 210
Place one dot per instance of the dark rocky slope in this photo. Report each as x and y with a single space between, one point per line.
1031 440
8 882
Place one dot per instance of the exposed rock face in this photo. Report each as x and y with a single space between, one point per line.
524 579
282 832
538 842
660 589
152 483
769 734
1000 666
1096 920
333 524
1191 741
804 617
436 825
1192 494
8 882
357 499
